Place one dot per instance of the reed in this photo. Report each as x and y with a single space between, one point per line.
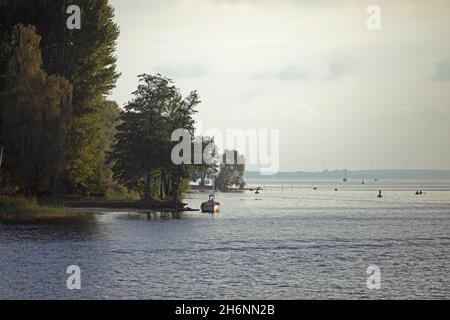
21 206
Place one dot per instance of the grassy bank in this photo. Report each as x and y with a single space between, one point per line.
23 208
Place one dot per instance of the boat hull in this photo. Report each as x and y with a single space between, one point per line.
208 208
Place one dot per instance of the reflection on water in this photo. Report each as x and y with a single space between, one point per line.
282 244
85 218
152 215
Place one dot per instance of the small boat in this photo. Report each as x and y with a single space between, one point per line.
210 206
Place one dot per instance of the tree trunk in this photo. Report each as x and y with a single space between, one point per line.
161 186
147 187
202 179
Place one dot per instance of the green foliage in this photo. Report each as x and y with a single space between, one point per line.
35 115
20 205
56 124
101 183
142 155
231 174
85 58
206 170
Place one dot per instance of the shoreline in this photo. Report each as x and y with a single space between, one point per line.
86 213
154 206
22 209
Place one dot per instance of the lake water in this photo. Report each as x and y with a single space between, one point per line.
289 242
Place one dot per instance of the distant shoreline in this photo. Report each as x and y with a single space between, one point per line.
358 174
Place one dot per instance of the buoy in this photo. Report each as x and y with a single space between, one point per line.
380 195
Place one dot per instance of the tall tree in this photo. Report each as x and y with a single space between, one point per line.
35 114
142 155
85 57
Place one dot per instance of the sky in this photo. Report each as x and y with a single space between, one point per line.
342 95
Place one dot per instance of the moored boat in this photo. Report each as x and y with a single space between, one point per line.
210 206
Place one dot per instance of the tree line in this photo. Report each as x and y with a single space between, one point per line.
53 86
141 157
60 134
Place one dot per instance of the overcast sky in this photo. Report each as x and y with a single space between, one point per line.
343 96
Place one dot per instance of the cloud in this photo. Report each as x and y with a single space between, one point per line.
337 67
442 72
292 73
288 73
301 112
308 112
183 71
340 65
303 3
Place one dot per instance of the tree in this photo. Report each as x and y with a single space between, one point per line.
141 156
101 181
206 170
35 114
86 58
231 172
